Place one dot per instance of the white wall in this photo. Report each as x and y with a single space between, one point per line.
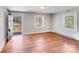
58 26
28 22
3 24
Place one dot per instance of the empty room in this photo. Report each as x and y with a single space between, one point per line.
39 29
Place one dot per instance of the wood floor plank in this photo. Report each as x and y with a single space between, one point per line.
41 43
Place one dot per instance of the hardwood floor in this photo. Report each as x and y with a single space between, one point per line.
41 43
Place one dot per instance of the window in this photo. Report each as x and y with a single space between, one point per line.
39 21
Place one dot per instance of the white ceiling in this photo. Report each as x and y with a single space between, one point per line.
48 9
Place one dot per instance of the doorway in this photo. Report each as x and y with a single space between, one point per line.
17 25
14 25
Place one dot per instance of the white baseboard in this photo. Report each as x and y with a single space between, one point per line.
55 32
65 35
68 36
49 31
37 32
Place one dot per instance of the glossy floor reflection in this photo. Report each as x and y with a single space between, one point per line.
41 43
